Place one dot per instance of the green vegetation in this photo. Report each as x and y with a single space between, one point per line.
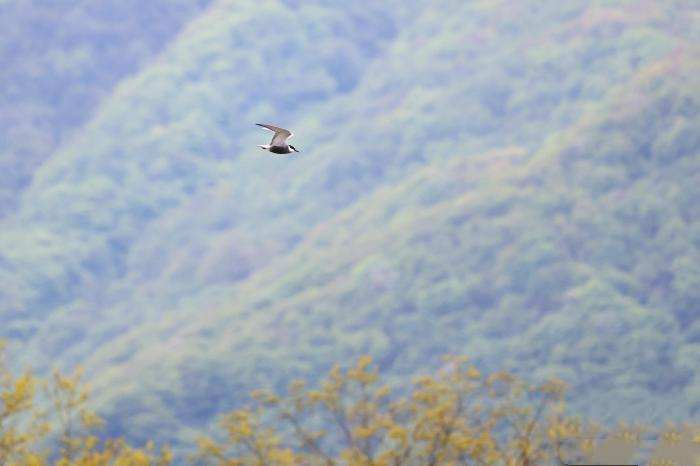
59 60
454 417
45 422
514 182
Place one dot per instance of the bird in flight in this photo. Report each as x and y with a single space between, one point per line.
278 145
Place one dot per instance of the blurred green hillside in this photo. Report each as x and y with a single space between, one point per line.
60 59
514 181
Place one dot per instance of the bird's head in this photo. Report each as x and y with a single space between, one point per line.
293 148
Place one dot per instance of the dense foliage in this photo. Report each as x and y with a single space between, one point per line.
455 417
58 428
518 182
59 60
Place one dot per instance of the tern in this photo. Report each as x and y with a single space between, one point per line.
278 145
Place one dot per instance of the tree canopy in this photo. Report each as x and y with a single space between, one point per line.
454 417
517 182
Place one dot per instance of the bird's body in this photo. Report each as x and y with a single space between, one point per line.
278 145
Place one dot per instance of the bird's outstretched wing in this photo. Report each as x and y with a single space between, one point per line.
281 134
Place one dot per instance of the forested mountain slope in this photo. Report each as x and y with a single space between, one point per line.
164 137
578 262
511 181
59 60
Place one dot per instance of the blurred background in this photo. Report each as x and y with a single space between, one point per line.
514 181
